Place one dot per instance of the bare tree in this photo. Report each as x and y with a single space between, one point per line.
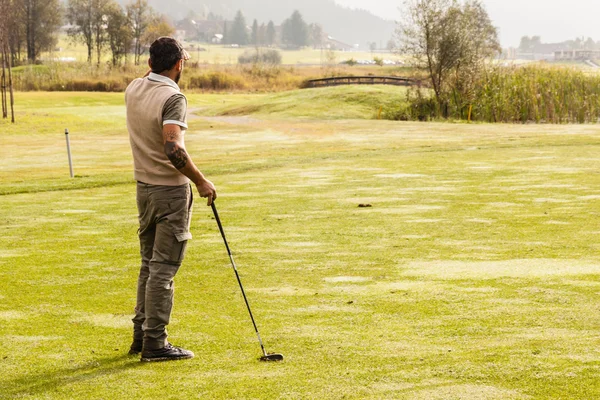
158 26
448 39
315 32
147 26
89 18
119 32
99 25
36 21
5 54
479 43
16 34
80 14
140 15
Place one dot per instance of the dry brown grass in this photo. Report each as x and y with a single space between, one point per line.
197 77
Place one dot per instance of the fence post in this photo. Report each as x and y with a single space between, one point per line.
69 152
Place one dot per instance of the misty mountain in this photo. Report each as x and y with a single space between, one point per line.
347 25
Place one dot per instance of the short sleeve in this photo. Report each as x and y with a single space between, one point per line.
174 111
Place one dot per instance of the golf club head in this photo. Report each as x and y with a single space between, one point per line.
272 357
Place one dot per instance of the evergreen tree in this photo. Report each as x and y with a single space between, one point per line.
239 32
255 33
271 34
295 30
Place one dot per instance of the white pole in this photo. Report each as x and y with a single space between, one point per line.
69 153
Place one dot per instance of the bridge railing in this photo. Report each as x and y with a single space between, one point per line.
360 80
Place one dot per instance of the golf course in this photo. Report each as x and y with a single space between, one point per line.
383 259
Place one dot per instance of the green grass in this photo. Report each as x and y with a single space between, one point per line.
342 102
474 275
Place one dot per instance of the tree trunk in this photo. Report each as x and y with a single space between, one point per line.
89 35
12 97
3 84
30 22
98 44
27 30
6 61
10 84
136 58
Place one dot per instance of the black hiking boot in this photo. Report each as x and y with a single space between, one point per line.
136 347
167 353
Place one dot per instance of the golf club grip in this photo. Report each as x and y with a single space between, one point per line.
214 209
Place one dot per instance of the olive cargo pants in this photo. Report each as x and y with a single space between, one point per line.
164 214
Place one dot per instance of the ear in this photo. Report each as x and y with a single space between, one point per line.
179 65
150 63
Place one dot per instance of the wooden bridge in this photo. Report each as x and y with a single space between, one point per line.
360 80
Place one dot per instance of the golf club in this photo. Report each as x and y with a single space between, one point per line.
265 356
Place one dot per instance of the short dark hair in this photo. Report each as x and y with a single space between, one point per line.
165 52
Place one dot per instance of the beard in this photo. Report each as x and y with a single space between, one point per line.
178 77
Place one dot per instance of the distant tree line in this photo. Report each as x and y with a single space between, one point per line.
294 32
103 26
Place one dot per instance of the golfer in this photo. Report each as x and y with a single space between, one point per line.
156 121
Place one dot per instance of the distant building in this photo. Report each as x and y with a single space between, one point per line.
577 55
204 31
570 50
334 44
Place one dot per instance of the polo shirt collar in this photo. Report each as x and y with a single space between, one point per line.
161 78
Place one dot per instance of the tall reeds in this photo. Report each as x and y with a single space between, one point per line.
257 77
540 94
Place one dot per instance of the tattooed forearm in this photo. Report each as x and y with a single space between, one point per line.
171 136
177 154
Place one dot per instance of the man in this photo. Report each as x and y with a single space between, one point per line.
156 121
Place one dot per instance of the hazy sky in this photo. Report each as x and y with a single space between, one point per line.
553 20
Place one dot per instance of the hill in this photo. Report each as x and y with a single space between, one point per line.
343 102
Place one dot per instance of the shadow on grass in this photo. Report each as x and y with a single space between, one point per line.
44 382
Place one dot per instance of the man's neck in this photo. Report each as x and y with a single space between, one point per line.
166 78
168 74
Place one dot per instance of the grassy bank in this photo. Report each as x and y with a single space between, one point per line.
473 275
345 102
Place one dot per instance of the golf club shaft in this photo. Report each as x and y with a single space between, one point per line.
214 208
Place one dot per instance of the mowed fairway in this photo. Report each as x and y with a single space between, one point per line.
474 273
